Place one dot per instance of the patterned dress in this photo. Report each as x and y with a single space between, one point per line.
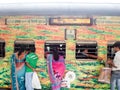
17 73
56 70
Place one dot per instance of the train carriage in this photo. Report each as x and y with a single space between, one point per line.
71 27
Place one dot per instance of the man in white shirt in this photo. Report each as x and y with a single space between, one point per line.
115 75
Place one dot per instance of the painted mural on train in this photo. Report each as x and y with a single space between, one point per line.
71 30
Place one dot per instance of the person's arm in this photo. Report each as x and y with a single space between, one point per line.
110 62
85 52
94 56
30 66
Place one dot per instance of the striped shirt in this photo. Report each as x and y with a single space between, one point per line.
32 59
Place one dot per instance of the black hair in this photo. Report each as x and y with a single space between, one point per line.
30 49
116 44
55 54
21 49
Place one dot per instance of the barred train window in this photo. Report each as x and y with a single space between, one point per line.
2 48
51 44
23 43
90 46
110 51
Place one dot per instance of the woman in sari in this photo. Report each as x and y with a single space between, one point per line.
56 69
18 70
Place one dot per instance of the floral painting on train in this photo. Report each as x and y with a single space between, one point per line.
101 30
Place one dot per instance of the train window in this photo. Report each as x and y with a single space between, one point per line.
110 52
2 48
23 43
51 44
83 46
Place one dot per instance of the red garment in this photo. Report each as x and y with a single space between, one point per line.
58 69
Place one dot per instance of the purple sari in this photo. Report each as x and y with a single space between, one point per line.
56 70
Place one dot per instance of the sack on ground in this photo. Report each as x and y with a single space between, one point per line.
35 81
105 75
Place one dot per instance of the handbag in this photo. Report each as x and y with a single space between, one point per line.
105 75
35 81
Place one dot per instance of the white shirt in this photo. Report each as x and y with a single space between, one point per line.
116 61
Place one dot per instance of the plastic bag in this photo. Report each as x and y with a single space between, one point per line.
69 77
105 75
35 81
65 83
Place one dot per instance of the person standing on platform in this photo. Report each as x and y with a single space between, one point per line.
115 63
18 69
31 63
56 68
